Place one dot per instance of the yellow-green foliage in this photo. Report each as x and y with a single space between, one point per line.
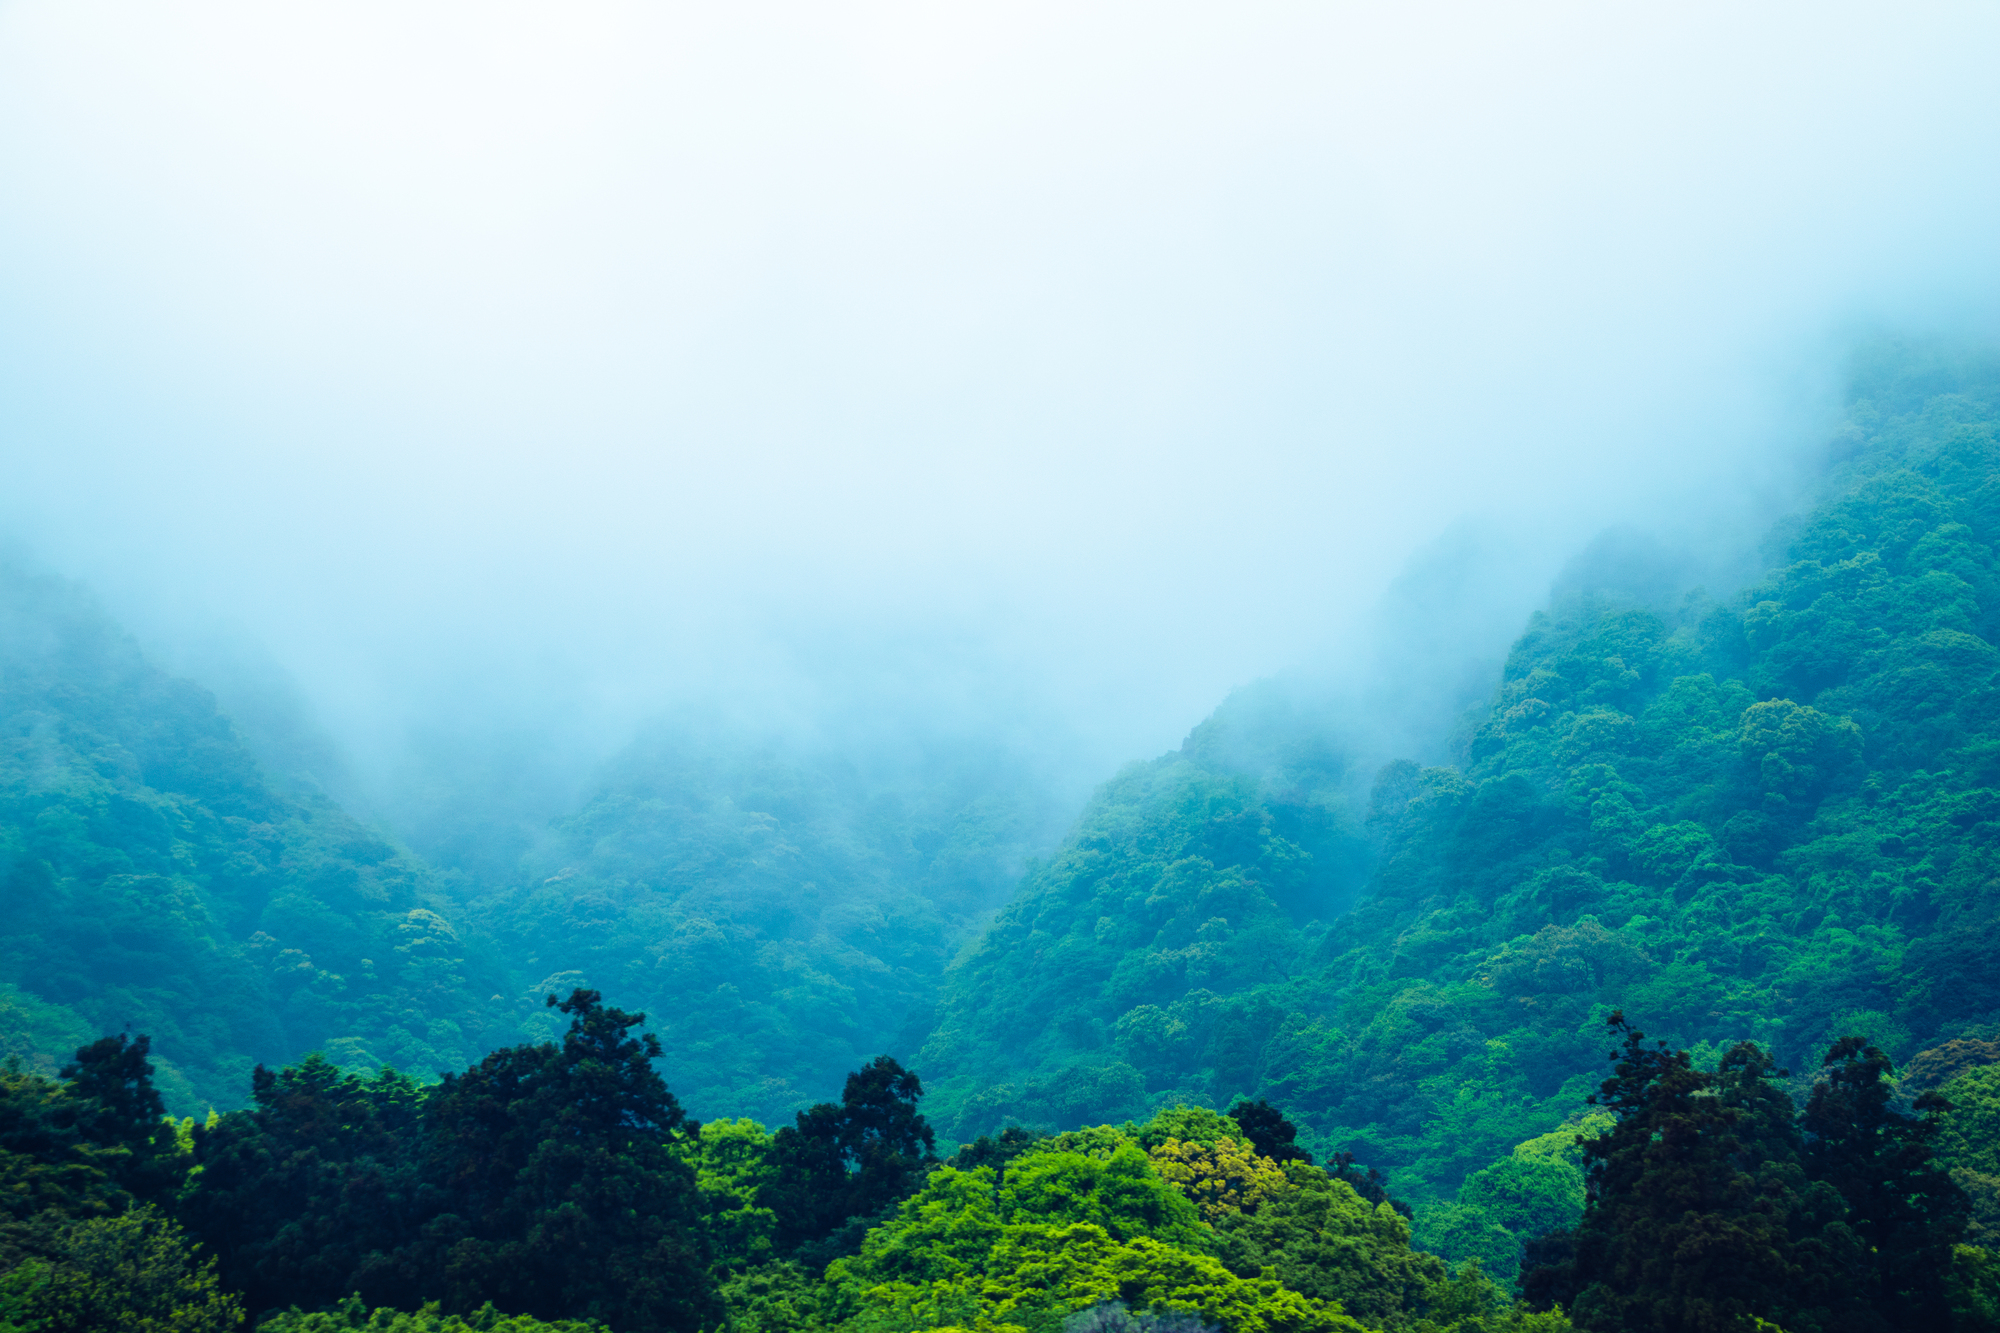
137 1273
1220 1178
1061 1231
731 1163
1090 1219
352 1314
1323 1240
1561 1145
1970 1147
1038 1269
1190 1124
1975 1288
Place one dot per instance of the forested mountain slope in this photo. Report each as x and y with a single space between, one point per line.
1772 817
154 881
1209 873
783 913
784 910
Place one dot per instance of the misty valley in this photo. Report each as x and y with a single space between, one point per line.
1656 986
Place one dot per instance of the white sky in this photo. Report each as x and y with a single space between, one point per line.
566 359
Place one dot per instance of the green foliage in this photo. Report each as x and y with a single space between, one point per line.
1187 1124
847 1162
352 1314
82 1149
1460 1233
1714 1203
1106 976
1063 1231
1975 1290
783 910
1323 1240
1969 1147
296 1193
136 1271
1901 1204
559 1195
732 1167
1038 1270
1528 1196
32 1030
1087 1218
1221 1177
544 1179
155 878
1770 817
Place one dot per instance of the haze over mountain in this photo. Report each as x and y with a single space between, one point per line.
1191 611
507 377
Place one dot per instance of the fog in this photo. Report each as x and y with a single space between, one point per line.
494 377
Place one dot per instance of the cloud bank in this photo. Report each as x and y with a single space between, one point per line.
543 366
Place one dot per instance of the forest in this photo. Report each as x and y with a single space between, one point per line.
1670 1002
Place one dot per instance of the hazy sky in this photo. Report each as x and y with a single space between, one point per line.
560 360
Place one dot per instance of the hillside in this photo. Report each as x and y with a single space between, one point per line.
155 882
1769 817
783 913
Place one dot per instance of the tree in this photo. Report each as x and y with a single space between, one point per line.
1269 1132
1901 1203
352 1313
732 1165
557 1193
117 1106
1528 1196
1223 1177
137 1272
45 1165
304 1194
1675 1234
1322 1239
1968 1146
851 1160
85 1147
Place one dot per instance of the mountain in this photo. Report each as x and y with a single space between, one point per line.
782 910
157 882
1769 816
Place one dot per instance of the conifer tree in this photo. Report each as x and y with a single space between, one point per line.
1675 1234
1903 1206
852 1160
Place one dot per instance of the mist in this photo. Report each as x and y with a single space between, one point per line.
480 382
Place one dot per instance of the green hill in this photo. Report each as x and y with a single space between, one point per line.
1771 816
156 882
782 913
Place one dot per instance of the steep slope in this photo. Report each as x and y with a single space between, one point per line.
780 912
1773 818
1135 968
156 883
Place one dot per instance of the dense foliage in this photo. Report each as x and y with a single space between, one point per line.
562 1187
544 1179
1714 1202
154 880
784 911
1763 824
1769 816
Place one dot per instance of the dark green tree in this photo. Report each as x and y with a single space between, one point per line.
852 1160
1902 1205
115 1105
1269 1132
45 1165
557 1193
303 1196
1676 1234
